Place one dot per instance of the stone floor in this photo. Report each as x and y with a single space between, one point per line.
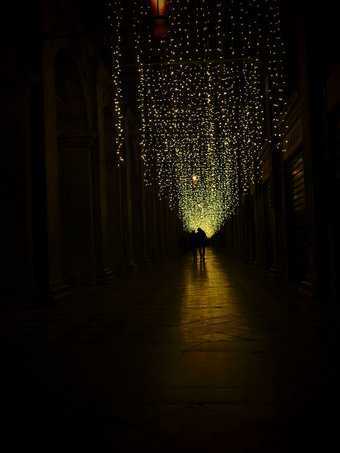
194 356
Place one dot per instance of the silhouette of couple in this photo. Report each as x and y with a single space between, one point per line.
198 240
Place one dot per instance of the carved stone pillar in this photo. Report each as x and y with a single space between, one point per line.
56 284
146 254
275 207
128 180
77 209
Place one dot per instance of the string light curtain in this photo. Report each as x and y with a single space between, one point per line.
114 18
201 100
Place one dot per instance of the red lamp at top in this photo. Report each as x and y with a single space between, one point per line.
159 11
159 7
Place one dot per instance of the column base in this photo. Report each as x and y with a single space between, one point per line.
58 290
105 276
131 267
306 288
274 270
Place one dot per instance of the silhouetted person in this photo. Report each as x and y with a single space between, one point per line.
193 244
201 242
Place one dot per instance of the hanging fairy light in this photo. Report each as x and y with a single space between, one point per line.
115 13
201 100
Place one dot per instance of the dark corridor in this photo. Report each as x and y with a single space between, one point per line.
193 356
113 338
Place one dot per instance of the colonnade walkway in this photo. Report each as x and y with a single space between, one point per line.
191 356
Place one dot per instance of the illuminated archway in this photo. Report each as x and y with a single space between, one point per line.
202 101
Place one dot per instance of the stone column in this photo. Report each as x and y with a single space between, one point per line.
104 166
146 254
56 283
275 195
129 202
76 164
317 159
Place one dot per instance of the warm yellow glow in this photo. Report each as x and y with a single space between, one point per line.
202 111
208 295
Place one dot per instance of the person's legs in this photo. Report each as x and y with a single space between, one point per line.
194 253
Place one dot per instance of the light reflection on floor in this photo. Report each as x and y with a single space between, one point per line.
209 306
183 361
